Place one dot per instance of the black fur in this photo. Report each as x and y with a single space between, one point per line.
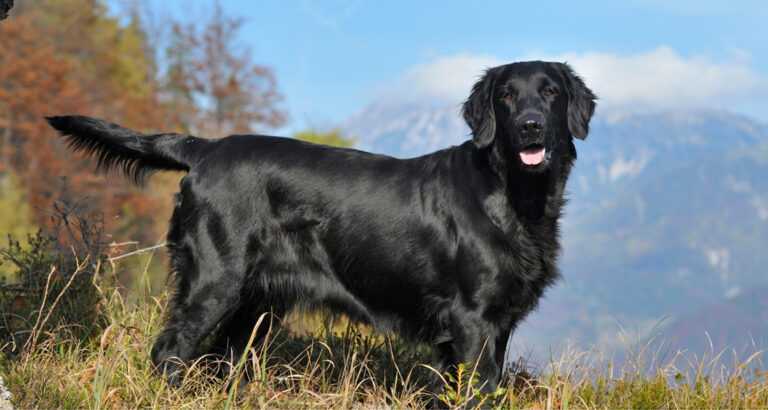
138 155
453 248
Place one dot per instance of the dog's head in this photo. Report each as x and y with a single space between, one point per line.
530 111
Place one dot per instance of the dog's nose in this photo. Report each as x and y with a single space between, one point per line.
530 124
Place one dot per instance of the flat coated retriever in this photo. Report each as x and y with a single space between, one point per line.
453 248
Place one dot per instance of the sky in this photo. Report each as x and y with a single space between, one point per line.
332 58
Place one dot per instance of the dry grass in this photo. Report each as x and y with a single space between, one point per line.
59 365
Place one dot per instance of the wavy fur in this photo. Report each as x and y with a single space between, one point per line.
137 155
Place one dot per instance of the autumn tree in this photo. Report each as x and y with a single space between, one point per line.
72 57
211 84
68 56
34 81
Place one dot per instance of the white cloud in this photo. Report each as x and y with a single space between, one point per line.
627 167
661 77
444 79
656 78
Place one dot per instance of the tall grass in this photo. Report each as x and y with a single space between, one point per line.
113 369
57 362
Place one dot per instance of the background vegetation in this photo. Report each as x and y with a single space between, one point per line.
71 339
73 57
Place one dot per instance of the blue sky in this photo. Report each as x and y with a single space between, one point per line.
334 57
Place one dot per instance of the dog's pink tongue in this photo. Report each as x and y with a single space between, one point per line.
532 156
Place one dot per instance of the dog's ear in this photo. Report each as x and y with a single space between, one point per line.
581 101
478 110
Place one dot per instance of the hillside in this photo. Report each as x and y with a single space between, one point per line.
691 237
405 129
750 306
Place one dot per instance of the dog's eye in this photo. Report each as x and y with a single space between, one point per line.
549 92
507 96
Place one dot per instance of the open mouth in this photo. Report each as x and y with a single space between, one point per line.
533 154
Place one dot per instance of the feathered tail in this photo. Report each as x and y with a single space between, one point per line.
136 154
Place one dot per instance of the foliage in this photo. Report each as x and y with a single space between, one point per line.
212 85
68 57
51 287
17 215
462 389
333 137
72 57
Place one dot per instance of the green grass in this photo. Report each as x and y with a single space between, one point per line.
58 353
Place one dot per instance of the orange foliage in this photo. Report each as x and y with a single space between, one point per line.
45 70
69 57
227 93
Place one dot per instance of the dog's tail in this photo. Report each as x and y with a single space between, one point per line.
136 154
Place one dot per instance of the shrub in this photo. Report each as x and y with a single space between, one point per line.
54 283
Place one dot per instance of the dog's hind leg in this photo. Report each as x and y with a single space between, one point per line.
235 332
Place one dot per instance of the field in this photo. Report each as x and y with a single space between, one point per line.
71 338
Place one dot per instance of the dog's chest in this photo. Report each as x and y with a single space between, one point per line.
523 266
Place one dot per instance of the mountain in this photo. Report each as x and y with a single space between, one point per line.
625 150
691 236
718 321
667 218
406 129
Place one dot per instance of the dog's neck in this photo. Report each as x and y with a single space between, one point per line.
535 197
538 197
529 193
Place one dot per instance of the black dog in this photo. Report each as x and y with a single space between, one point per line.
453 248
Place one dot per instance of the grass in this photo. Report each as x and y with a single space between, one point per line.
112 369
52 357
